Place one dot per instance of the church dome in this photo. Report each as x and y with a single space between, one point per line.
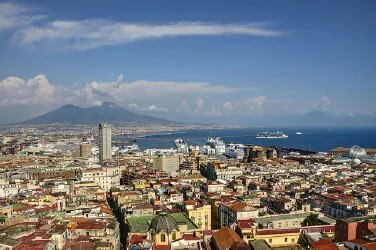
357 152
163 222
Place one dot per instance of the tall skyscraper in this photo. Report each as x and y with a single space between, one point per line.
105 140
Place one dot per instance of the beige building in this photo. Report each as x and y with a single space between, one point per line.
106 177
168 164
85 150
105 142
200 214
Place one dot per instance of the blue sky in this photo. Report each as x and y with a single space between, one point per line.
189 60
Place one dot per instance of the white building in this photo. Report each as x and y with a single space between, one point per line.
105 140
104 177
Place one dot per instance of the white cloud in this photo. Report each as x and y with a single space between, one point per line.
133 106
185 106
249 104
229 106
93 33
323 104
97 103
200 103
255 103
37 90
154 108
150 108
13 15
139 96
215 111
144 90
120 78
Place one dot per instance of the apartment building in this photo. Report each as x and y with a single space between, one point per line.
106 177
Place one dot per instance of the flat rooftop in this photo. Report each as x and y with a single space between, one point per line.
267 219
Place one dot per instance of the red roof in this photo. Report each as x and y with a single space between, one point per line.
74 245
278 231
190 237
160 247
190 202
135 238
324 244
237 206
247 223
91 225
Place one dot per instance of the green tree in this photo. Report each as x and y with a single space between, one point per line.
313 220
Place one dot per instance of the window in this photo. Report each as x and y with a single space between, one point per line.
174 236
286 239
270 240
163 237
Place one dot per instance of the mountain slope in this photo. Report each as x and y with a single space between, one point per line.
107 111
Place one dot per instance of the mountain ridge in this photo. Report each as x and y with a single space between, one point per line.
107 111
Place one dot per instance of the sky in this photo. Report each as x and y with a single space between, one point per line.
201 61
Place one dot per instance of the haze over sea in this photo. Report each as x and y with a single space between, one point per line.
317 139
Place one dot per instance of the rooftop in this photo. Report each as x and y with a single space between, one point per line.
141 224
267 219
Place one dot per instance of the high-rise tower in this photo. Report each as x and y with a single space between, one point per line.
105 140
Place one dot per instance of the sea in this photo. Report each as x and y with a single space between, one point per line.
315 139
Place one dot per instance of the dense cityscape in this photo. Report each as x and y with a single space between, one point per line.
82 189
187 125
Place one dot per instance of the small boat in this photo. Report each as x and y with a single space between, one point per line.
299 133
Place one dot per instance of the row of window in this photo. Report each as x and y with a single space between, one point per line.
286 239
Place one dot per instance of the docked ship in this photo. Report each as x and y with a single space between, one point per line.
181 145
271 135
131 148
217 144
235 151
179 142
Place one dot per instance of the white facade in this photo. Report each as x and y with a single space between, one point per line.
103 177
105 141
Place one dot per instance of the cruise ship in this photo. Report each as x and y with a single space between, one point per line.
217 144
271 135
181 145
179 142
235 151
130 148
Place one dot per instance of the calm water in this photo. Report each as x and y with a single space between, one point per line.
313 139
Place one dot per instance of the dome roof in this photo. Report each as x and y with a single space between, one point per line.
357 152
163 222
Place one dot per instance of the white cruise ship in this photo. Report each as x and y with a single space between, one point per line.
130 148
271 135
179 142
235 151
217 144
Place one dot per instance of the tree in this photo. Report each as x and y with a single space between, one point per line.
312 220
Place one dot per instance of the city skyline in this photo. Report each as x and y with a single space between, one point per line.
197 62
